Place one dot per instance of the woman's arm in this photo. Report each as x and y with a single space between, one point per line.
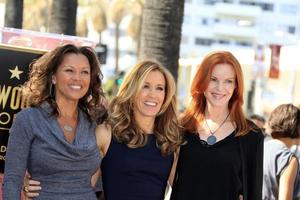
18 149
287 180
172 175
95 177
173 169
103 137
33 187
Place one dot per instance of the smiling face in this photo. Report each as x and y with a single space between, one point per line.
72 78
221 85
151 96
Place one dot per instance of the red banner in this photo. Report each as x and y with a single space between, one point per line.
274 67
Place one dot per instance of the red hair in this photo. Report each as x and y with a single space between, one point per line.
195 111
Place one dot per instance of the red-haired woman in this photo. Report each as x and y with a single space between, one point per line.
223 156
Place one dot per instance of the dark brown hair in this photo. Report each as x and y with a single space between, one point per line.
38 88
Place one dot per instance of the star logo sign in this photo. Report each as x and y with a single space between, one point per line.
15 73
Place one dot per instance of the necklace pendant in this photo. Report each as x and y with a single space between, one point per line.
211 140
68 128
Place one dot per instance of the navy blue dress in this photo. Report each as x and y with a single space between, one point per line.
135 173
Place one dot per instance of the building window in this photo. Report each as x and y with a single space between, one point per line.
288 9
200 20
247 3
204 21
291 29
243 43
224 42
204 41
266 6
216 20
212 2
287 29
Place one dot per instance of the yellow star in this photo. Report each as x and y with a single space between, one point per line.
15 73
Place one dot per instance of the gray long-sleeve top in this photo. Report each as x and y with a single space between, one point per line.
276 158
37 143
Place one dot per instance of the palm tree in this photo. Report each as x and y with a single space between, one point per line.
82 25
117 12
63 17
135 24
161 32
93 11
13 13
98 15
40 10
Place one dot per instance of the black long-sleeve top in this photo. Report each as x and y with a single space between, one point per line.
223 171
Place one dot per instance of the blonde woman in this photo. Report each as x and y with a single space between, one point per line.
141 135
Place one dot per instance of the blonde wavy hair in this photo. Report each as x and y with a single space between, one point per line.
126 129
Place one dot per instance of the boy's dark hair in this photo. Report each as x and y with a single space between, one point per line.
284 121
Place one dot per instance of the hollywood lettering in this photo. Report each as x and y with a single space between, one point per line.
10 99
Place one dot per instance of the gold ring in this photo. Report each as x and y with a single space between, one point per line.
25 189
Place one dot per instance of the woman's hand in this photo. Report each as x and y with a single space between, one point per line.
95 177
31 187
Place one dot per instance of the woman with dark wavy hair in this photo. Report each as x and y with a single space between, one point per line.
54 139
141 135
281 168
223 157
